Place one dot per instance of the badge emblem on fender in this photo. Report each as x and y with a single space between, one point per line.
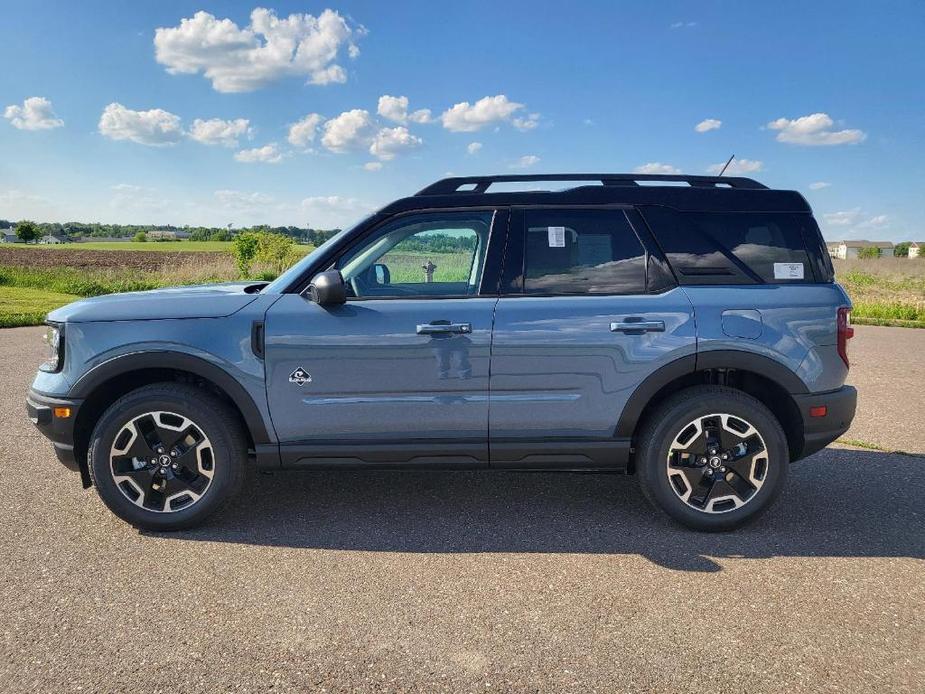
300 376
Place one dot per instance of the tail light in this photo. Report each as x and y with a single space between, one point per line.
845 332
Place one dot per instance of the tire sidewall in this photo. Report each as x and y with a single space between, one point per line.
668 423
206 413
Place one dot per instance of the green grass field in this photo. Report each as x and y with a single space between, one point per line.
27 306
152 246
885 291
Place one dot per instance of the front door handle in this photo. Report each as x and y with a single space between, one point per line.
637 325
440 328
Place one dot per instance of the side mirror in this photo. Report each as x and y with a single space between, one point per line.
382 274
328 288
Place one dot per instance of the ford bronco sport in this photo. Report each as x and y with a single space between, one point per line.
683 328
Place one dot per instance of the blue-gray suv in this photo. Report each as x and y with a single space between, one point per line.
687 329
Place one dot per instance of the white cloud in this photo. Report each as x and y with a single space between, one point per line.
843 218
656 167
269 48
268 154
855 218
815 129
526 162
373 165
155 127
329 211
473 147
737 167
137 199
390 141
395 109
302 133
708 124
819 185
35 113
239 200
528 123
466 118
350 130
216 131
681 25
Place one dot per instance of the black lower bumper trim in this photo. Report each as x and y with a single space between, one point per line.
819 432
59 430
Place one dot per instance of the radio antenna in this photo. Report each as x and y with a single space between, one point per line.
728 162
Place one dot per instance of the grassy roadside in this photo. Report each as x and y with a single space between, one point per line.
885 291
150 246
21 306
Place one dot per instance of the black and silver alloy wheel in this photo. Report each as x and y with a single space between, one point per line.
167 455
712 457
717 463
162 461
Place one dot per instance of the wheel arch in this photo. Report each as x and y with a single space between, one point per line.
109 381
765 379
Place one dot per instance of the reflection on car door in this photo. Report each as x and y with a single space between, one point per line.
575 332
399 373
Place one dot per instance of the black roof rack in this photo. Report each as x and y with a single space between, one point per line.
480 184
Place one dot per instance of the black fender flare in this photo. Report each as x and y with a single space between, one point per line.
136 361
701 361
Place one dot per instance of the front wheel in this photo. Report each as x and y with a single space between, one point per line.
165 456
712 457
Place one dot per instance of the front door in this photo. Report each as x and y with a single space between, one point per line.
582 320
399 373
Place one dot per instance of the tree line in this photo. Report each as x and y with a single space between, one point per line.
89 230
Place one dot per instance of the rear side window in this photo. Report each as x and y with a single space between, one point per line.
582 252
734 247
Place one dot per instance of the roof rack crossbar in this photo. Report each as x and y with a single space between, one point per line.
480 184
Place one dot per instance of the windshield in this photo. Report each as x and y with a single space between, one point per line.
288 277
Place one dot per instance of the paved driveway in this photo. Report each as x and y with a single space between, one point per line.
464 581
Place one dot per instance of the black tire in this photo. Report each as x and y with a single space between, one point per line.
213 419
670 420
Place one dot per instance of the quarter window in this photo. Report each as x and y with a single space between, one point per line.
582 252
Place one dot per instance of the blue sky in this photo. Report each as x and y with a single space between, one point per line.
100 112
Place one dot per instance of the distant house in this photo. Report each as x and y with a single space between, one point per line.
6 236
916 248
850 249
53 239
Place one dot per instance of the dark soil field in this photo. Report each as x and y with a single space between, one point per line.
95 259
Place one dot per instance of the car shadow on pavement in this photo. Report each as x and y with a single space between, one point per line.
838 503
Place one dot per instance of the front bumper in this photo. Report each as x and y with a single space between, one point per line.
819 432
57 429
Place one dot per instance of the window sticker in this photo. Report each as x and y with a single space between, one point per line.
556 237
788 271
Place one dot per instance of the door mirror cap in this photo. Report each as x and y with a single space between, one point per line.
328 288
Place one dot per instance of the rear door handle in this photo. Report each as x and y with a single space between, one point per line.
637 325
438 328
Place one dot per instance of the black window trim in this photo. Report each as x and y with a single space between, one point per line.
500 216
516 212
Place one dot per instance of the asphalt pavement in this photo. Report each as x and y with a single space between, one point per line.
462 581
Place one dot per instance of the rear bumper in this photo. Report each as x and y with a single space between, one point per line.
59 430
819 432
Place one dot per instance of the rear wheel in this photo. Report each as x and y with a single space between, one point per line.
712 457
166 456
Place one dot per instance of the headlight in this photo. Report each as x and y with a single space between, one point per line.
54 348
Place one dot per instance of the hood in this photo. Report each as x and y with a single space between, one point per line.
201 301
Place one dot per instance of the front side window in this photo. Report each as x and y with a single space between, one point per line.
427 255
582 252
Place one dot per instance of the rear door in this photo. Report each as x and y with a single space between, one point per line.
586 313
